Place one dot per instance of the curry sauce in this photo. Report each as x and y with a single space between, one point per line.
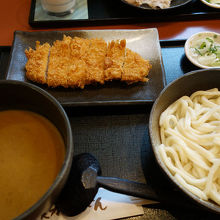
31 155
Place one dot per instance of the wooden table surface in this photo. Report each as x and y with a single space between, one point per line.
14 16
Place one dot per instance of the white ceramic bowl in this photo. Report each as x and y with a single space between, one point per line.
211 4
192 40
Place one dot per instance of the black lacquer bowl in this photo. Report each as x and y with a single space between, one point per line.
185 85
25 96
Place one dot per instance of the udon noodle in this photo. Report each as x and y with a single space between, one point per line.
190 137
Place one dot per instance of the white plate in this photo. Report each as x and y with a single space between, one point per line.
192 39
211 4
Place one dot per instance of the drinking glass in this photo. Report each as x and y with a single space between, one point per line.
58 7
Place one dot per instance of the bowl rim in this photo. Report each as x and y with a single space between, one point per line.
206 204
69 150
210 4
187 53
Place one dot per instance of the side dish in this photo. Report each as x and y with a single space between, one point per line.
203 49
76 62
212 3
162 4
190 137
207 51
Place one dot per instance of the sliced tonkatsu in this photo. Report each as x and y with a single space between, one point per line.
135 68
114 60
77 62
77 74
36 65
58 64
94 59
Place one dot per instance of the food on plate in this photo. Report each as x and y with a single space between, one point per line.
37 62
162 4
114 60
31 154
134 68
206 50
58 64
95 60
76 62
190 143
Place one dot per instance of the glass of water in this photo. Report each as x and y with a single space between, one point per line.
58 7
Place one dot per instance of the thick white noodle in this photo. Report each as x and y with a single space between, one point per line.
190 137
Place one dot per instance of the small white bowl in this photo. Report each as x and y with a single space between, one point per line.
192 39
210 4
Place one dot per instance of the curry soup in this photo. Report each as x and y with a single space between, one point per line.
31 155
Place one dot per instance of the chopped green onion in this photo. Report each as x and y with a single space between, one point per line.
209 39
213 49
203 45
197 50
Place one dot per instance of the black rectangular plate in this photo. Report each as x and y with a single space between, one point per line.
145 42
103 12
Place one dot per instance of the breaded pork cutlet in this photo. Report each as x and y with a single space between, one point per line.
95 61
76 62
36 65
77 75
58 65
114 60
135 68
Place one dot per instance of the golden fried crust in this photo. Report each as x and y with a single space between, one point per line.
59 63
76 62
79 47
135 68
36 65
77 75
94 60
114 60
